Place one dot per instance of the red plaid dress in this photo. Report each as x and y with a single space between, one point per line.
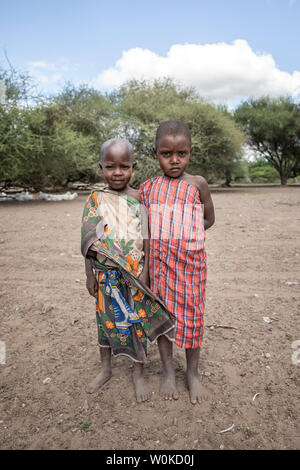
177 258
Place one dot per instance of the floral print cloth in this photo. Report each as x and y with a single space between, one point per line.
111 226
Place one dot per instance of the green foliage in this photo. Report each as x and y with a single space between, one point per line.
146 168
55 140
217 143
273 129
216 139
140 106
86 111
15 86
37 149
261 171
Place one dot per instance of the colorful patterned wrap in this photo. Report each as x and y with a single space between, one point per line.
127 312
177 259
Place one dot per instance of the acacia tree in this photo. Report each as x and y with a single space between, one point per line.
15 92
273 129
142 105
88 114
217 142
56 140
50 141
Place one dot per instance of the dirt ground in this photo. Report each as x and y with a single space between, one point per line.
48 330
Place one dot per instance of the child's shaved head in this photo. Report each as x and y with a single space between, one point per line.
172 128
111 143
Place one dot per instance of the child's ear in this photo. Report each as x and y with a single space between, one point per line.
133 165
100 166
154 152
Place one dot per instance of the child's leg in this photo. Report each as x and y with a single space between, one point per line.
168 385
197 392
105 374
142 390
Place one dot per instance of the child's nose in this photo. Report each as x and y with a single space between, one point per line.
174 158
117 171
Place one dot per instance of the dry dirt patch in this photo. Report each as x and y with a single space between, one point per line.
49 331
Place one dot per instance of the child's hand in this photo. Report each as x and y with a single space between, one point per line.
92 284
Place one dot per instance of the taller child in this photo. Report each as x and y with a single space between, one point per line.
180 210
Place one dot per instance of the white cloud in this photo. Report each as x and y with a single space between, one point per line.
223 73
41 64
45 73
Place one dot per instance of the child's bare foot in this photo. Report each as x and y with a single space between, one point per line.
142 390
197 392
99 381
105 374
168 386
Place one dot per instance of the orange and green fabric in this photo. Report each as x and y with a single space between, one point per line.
111 226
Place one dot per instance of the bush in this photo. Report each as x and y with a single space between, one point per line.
57 140
262 172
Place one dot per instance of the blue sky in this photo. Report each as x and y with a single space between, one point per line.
227 49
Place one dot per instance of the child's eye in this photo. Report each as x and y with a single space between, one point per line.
181 154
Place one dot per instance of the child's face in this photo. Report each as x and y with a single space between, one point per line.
173 153
117 167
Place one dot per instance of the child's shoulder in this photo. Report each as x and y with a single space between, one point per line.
200 183
196 180
150 181
135 193
146 185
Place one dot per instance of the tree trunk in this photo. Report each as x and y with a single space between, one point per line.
228 177
283 179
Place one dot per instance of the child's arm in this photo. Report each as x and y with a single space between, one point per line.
209 212
91 281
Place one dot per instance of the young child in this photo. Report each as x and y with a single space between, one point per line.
116 263
180 209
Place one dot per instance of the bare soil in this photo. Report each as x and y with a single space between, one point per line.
250 370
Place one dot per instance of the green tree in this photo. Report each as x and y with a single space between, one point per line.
37 149
142 105
56 140
86 111
15 93
90 115
217 142
17 87
273 129
261 172
59 154
50 141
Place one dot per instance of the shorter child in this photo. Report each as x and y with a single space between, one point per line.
116 262
180 210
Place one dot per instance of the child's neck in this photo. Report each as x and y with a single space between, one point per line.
124 190
179 177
